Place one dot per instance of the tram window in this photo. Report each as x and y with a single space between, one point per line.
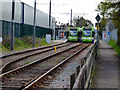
73 32
87 32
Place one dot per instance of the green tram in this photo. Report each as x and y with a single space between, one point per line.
88 34
84 34
73 33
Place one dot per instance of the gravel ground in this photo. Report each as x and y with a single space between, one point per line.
28 74
62 79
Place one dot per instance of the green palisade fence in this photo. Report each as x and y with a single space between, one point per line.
22 30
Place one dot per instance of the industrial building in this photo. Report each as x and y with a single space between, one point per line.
24 19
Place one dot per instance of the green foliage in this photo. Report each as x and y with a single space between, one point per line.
115 46
28 62
81 22
93 74
43 42
0 45
6 42
22 43
102 24
63 58
111 9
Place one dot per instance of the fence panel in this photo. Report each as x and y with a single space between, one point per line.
83 79
22 30
113 35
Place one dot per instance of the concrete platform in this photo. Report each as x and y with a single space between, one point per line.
106 68
59 41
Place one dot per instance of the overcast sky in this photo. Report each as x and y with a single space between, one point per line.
86 8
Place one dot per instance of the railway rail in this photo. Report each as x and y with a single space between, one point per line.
35 69
26 51
45 79
20 54
26 57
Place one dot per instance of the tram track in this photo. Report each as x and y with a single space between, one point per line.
11 57
27 69
27 51
11 63
46 79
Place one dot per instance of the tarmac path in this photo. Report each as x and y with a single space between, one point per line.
106 69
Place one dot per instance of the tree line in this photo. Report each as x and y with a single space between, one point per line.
80 21
110 9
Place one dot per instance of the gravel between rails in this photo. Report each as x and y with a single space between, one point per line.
14 57
62 76
26 75
33 58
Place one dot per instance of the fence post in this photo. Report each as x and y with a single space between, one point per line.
72 80
82 83
77 71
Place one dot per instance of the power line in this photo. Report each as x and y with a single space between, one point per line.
51 4
72 13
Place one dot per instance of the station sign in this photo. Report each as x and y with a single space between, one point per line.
104 36
109 33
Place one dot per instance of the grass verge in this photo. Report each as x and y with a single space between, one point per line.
21 43
113 44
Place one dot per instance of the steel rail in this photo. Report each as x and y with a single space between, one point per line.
32 83
9 63
35 62
33 49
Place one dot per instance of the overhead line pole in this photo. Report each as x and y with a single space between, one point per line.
50 17
12 25
34 23
71 18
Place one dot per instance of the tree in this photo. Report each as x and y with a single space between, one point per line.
111 9
102 24
79 22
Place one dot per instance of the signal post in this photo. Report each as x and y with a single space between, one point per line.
97 25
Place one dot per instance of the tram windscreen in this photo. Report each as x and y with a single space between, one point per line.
87 32
73 32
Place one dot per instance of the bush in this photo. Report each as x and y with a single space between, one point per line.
22 43
115 46
6 42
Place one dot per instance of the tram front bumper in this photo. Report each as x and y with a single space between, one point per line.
87 39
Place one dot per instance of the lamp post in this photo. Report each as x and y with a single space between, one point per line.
34 23
48 36
50 17
71 18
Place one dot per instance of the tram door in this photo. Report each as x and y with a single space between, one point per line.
79 35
